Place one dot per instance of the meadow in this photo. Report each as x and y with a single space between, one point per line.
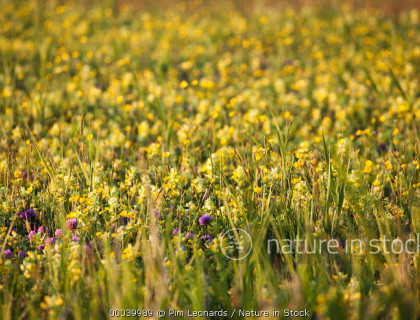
132 139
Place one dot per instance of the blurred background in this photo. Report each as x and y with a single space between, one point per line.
389 7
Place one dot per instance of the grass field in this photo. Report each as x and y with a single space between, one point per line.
132 139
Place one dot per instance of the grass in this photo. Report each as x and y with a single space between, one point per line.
121 127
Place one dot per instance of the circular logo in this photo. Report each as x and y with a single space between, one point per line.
236 244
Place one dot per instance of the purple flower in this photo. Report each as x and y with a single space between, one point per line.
92 246
8 254
88 249
58 233
204 219
76 238
96 245
182 248
22 255
207 238
31 235
27 176
72 224
24 216
175 231
43 230
28 214
189 235
40 248
124 220
50 241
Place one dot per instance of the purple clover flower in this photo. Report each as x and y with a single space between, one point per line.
43 230
175 231
8 254
58 233
31 235
50 241
207 238
40 248
72 224
189 235
204 219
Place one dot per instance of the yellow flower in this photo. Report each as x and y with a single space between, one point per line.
368 166
126 214
183 84
17 174
299 164
72 215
